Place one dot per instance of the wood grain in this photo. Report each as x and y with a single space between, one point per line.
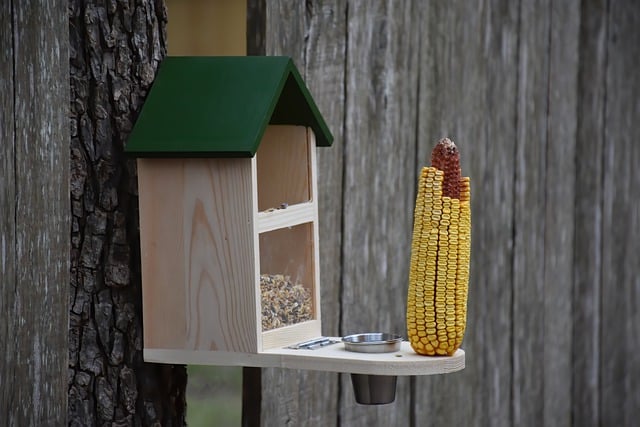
331 358
325 63
291 216
292 334
164 303
8 260
587 264
197 238
468 91
620 321
300 29
325 56
540 101
560 188
379 176
34 212
529 214
204 243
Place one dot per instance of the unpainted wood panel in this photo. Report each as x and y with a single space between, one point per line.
206 27
620 327
198 254
219 244
289 335
161 231
559 218
587 261
468 92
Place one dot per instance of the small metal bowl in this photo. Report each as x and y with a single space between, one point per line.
375 342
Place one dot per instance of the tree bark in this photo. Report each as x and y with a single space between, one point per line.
115 49
34 212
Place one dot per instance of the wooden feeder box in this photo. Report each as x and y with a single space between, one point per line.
227 183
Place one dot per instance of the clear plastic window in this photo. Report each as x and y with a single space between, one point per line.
287 278
283 165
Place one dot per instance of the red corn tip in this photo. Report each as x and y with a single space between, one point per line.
446 157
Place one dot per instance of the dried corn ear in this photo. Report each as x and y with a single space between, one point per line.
440 255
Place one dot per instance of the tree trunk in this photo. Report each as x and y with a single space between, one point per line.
34 212
116 48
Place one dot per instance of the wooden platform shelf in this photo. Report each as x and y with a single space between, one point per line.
332 358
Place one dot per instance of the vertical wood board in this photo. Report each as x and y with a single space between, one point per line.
325 62
8 259
160 182
325 55
559 217
468 88
219 239
587 263
529 214
208 247
620 327
379 178
34 195
297 29
315 228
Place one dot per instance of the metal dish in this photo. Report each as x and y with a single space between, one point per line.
375 342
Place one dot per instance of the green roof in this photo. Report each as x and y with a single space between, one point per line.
221 106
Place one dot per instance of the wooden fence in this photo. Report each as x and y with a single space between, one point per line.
543 100
34 212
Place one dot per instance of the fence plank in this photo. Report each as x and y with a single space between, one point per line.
325 76
294 402
560 198
315 38
587 262
468 91
8 262
286 27
325 56
34 213
379 183
528 280
620 327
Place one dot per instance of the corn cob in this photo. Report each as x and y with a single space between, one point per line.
440 255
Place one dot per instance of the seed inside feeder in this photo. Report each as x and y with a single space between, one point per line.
283 302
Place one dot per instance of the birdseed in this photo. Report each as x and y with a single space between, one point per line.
283 303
